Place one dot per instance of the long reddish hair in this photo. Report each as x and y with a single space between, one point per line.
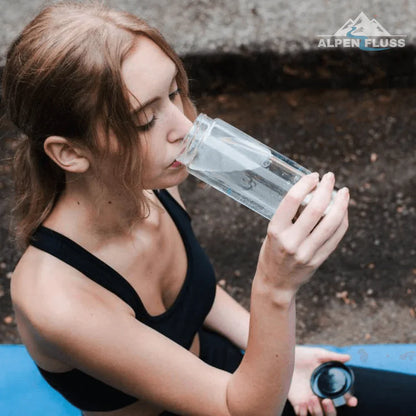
63 77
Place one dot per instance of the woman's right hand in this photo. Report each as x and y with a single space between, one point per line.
291 252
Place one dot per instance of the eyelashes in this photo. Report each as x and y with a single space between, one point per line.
150 124
174 94
147 126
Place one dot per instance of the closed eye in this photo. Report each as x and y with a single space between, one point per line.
147 126
174 94
150 124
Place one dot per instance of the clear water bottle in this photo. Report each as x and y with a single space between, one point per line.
239 166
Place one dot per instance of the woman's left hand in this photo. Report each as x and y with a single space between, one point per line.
303 400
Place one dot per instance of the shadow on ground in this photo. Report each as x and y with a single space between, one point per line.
365 293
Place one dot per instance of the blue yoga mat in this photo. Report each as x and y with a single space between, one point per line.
392 357
24 392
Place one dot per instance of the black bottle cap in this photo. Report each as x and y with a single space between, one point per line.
332 380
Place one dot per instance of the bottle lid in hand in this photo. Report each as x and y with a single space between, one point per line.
332 380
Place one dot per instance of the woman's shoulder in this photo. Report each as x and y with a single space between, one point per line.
49 297
41 275
39 302
45 290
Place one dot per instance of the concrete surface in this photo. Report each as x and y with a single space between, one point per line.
218 26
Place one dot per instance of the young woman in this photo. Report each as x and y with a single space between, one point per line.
114 299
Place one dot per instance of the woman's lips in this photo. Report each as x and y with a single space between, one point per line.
176 164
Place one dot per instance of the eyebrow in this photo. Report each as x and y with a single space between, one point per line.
144 105
152 100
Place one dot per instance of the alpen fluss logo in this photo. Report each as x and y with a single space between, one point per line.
363 33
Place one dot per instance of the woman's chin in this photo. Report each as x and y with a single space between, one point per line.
174 178
181 174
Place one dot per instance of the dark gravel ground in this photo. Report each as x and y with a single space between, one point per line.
366 291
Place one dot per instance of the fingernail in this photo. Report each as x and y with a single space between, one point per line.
329 175
344 191
315 175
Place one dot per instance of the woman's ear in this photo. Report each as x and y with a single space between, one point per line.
66 155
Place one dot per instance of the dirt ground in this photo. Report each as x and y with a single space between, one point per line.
366 291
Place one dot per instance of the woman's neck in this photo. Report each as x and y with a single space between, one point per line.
84 208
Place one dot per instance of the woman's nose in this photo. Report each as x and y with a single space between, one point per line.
180 125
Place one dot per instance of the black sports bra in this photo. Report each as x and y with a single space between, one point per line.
180 322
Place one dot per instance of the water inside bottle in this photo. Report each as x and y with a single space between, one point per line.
254 176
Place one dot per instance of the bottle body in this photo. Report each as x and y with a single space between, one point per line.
238 165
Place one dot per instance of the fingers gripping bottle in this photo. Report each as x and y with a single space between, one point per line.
238 165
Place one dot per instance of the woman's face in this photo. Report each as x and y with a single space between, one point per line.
150 77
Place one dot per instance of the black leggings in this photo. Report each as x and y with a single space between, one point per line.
379 392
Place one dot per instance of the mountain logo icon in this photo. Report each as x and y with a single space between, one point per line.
364 26
362 33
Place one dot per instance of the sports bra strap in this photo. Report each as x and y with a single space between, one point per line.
91 266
